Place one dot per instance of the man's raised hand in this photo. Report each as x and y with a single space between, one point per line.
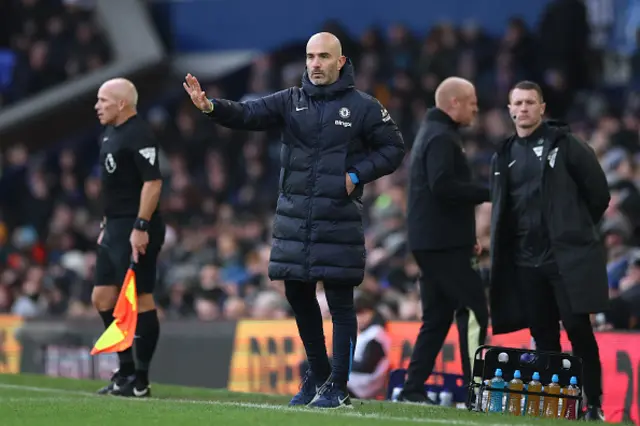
197 95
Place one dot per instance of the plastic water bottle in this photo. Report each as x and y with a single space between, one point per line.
569 406
533 401
550 409
515 399
485 396
495 404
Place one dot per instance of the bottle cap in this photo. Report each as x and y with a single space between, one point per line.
536 376
574 380
516 374
498 372
555 378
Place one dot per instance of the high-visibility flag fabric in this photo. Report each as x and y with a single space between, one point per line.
119 335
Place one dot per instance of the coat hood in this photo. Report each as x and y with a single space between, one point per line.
557 125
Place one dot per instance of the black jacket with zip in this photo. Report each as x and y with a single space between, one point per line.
326 132
525 205
442 196
574 196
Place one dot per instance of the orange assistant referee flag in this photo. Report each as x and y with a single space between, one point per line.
119 335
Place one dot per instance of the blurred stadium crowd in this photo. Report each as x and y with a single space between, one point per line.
50 42
220 187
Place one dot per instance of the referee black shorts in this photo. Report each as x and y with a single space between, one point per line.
114 254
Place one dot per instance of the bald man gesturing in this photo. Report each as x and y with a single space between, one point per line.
442 234
131 228
335 140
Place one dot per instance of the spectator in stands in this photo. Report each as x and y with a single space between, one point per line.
625 307
52 41
617 234
235 309
269 305
371 355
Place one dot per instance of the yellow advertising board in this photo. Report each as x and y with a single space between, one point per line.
10 349
267 356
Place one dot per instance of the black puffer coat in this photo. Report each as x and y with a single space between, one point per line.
327 131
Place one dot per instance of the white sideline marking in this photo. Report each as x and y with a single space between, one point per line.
17 399
271 407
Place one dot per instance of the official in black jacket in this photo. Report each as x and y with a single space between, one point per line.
335 140
548 263
442 235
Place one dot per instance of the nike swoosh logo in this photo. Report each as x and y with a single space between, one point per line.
300 109
143 392
342 400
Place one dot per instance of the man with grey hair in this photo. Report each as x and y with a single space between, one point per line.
269 305
131 229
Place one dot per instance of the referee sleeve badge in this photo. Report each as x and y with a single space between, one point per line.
149 154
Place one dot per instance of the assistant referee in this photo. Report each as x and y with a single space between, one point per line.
442 235
132 228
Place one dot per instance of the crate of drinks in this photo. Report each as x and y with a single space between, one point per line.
521 382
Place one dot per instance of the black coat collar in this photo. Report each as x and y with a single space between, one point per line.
436 114
345 82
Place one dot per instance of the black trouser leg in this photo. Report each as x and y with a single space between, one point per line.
472 315
585 346
303 301
345 329
448 284
541 308
548 303
583 340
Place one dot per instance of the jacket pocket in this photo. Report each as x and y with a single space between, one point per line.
345 169
344 185
285 153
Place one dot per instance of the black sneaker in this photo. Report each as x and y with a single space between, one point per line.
331 395
122 385
594 414
415 397
115 377
132 387
308 389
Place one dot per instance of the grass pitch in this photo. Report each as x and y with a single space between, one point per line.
31 400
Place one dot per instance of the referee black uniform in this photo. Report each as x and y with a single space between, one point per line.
128 158
442 235
131 186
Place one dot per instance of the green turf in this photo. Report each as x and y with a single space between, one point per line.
31 400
